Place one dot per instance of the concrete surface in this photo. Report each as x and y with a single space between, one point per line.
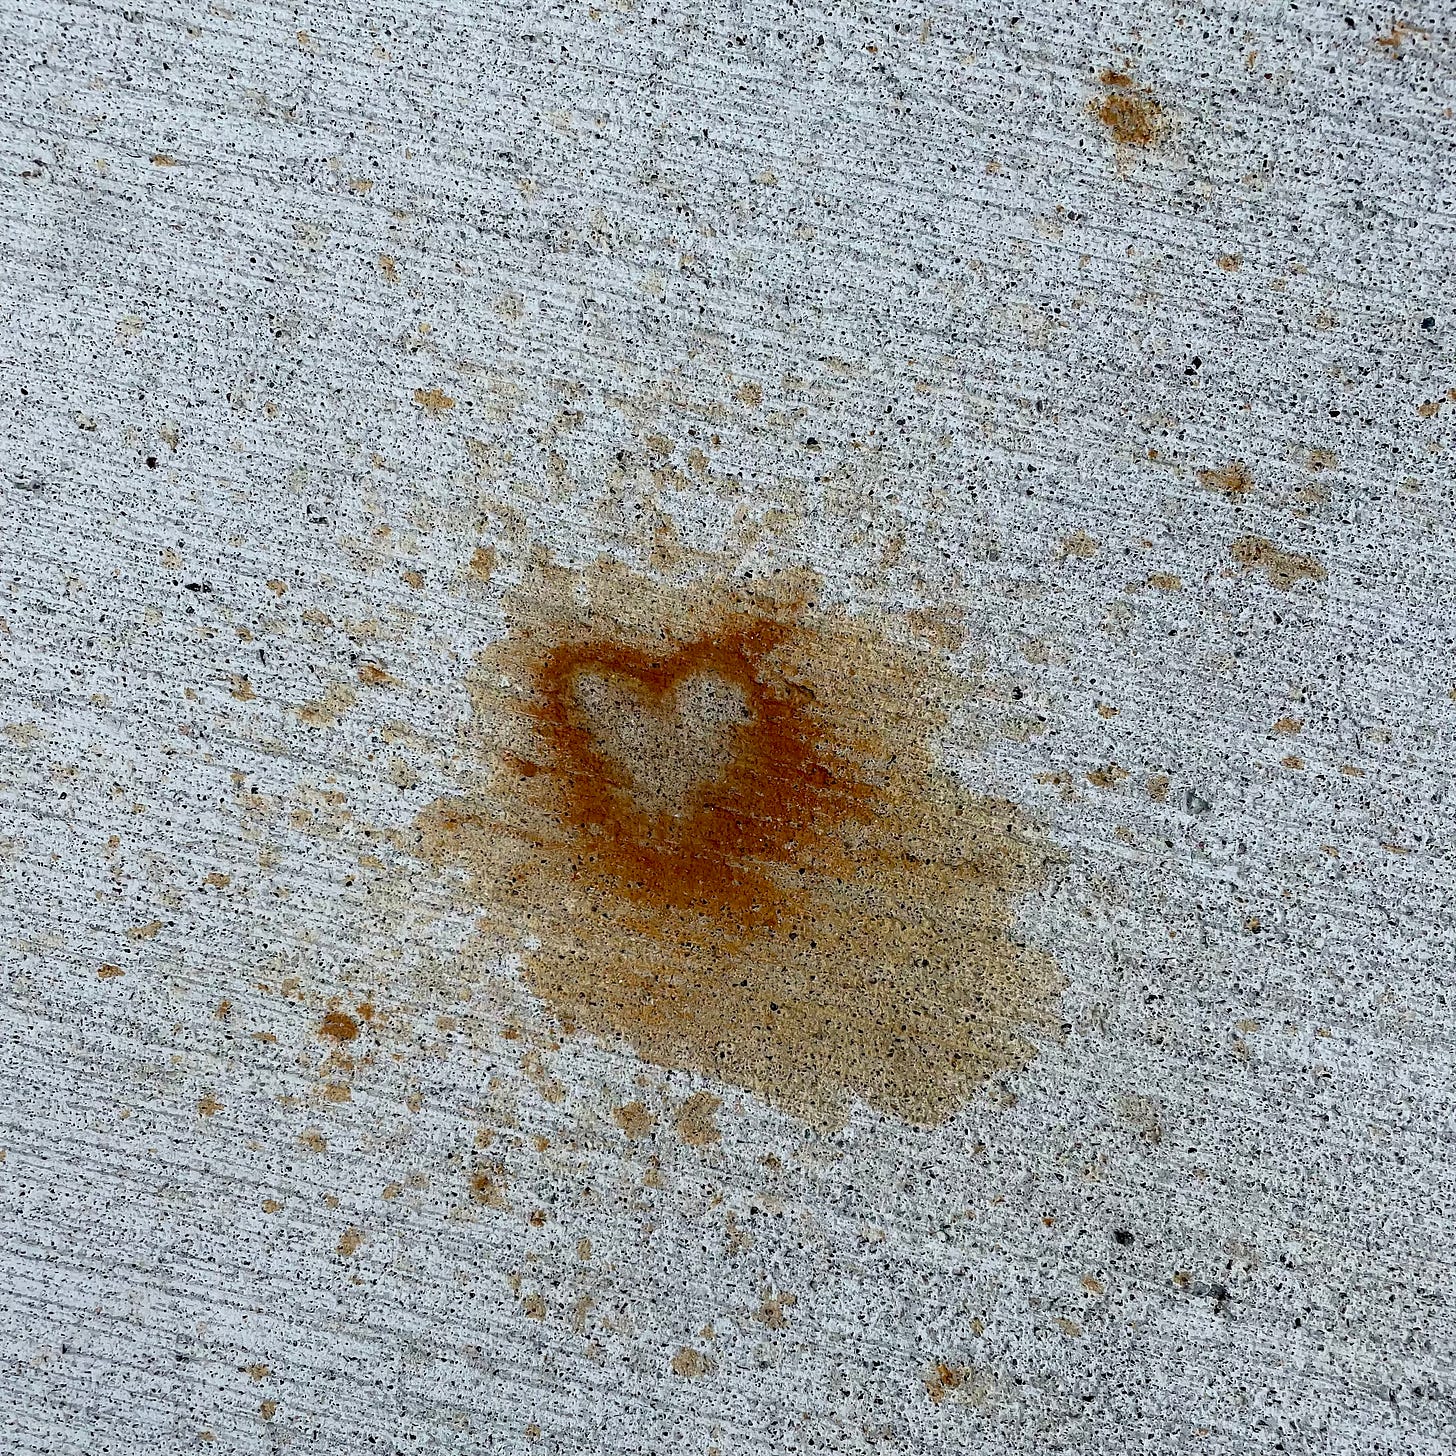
1090 366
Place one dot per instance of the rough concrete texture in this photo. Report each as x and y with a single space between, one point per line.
727 731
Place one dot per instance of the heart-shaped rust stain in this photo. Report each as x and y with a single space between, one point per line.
721 828
667 746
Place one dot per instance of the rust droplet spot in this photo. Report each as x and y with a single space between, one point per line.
339 1026
1129 111
718 827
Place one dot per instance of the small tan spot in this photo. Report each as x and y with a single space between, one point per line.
144 932
1282 568
1158 786
945 1379
268 1409
749 394
483 563
635 1120
488 1185
257 1372
271 1205
1351 772
434 401
695 1122
372 675
1166 581
162 159
328 709
1231 480
691 1363
1322 460
107 972
313 1140
207 1105
1092 1285
349 1242
1287 727
770 1311
1107 777
388 269
1079 543
533 1306
241 688
1230 262
1292 760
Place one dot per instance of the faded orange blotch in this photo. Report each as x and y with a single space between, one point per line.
717 825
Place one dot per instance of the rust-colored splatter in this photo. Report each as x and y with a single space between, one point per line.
339 1026
1129 111
1394 39
635 1120
372 675
107 971
691 1363
488 1185
434 401
1231 480
208 1105
1282 568
349 1242
718 827
944 1379
695 1123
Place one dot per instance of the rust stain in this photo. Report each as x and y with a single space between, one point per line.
1231 480
635 1120
339 1026
718 827
488 1185
1282 568
434 401
691 1363
1129 111
372 675
695 1122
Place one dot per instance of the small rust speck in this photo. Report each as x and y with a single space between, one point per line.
339 1026
695 1124
635 1120
1282 568
1129 111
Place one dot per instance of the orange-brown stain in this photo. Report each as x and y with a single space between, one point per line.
943 1379
488 1185
1231 480
696 1120
339 1026
1129 111
1281 568
718 827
